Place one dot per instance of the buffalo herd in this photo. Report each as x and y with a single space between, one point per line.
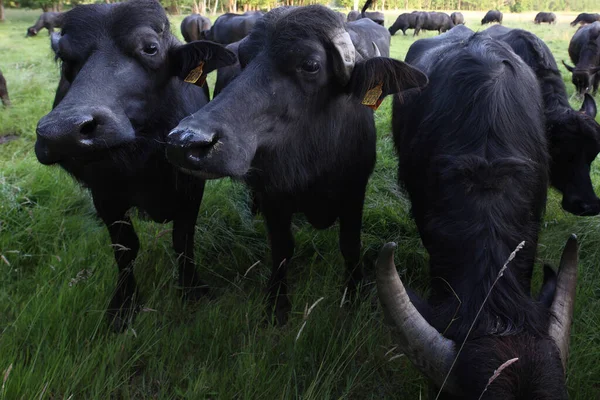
481 123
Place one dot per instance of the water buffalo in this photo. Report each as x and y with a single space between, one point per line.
353 16
403 22
585 18
573 136
584 51
292 127
492 16
121 90
192 25
457 18
230 28
4 91
433 21
548 17
48 20
472 157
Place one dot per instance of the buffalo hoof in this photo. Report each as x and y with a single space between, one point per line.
121 313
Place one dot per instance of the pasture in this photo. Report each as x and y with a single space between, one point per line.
57 272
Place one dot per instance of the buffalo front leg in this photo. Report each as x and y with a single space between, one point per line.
125 243
183 243
350 244
279 221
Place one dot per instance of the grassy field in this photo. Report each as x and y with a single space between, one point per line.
57 272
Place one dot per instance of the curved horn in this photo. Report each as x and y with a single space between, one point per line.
595 70
567 66
344 64
564 299
429 350
377 52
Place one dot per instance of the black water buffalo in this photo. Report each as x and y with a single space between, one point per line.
48 20
472 158
584 51
573 136
230 28
367 34
457 18
293 128
4 91
547 17
585 18
375 16
492 16
433 21
121 90
403 22
353 16
192 25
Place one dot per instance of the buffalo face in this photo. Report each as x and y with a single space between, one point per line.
292 86
575 143
110 88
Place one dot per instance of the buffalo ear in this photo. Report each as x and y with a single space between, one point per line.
378 77
185 58
589 106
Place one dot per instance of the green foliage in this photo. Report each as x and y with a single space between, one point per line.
54 342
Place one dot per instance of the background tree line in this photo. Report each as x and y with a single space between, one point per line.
221 6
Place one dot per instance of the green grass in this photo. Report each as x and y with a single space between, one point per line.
53 333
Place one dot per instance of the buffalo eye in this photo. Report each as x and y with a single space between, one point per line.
150 49
310 66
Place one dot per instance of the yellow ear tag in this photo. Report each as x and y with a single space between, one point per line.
373 98
195 76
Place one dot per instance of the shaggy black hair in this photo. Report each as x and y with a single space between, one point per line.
473 159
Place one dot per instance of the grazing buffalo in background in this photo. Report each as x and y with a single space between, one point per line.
584 51
292 127
403 22
472 156
433 21
457 18
542 17
121 90
573 136
4 91
353 15
585 18
48 20
230 28
375 16
492 16
192 25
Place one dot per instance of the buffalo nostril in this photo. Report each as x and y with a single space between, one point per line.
204 140
88 127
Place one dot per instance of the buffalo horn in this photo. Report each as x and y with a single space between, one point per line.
377 52
347 54
428 350
567 66
564 299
